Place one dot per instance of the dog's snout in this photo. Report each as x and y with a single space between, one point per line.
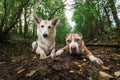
45 35
73 48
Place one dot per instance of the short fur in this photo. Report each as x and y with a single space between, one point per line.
75 45
46 32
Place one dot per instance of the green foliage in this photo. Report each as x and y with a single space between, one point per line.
93 21
86 16
91 16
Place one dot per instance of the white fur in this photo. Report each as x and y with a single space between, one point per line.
59 52
73 43
97 60
45 44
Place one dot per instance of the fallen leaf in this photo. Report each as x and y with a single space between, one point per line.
20 71
2 63
90 78
75 62
105 74
84 59
79 65
66 65
13 60
30 73
72 71
117 73
79 71
105 67
83 64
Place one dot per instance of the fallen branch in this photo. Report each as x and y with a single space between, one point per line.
103 45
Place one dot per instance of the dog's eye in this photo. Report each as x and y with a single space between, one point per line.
49 26
42 26
77 40
69 41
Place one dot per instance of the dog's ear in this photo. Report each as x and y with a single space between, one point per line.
37 19
55 21
80 34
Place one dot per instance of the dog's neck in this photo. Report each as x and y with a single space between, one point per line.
50 39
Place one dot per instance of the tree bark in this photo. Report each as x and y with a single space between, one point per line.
114 12
4 15
25 20
20 26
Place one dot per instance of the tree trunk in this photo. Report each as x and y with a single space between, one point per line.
114 12
20 26
107 15
14 21
25 20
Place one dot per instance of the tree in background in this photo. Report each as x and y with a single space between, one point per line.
16 21
93 19
10 12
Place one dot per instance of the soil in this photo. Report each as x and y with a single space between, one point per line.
18 62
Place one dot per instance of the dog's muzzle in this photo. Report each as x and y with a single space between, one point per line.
45 35
74 50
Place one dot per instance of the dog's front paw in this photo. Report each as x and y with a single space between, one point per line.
42 55
59 52
97 60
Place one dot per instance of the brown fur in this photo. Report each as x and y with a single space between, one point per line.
75 41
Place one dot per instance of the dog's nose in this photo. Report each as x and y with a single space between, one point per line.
45 35
73 49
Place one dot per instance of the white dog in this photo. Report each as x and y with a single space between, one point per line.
46 32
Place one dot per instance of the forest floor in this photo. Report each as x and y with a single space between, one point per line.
18 62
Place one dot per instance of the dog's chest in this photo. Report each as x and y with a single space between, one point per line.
47 46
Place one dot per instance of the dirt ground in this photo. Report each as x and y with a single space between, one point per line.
18 62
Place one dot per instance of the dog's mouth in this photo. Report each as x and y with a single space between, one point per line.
74 50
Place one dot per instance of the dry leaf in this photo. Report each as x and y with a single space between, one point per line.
117 73
84 59
90 78
79 65
14 60
105 67
72 71
30 73
105 74
83 64
20 71
66 65
2 63
76 62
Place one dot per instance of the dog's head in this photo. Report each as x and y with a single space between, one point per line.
74 42
45 27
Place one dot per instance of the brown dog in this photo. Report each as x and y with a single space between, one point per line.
75 45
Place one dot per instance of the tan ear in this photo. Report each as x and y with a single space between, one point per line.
55 21
37 19
80 34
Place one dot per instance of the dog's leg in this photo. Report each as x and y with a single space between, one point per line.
33 46
90 55
52 54
60 51
41 53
